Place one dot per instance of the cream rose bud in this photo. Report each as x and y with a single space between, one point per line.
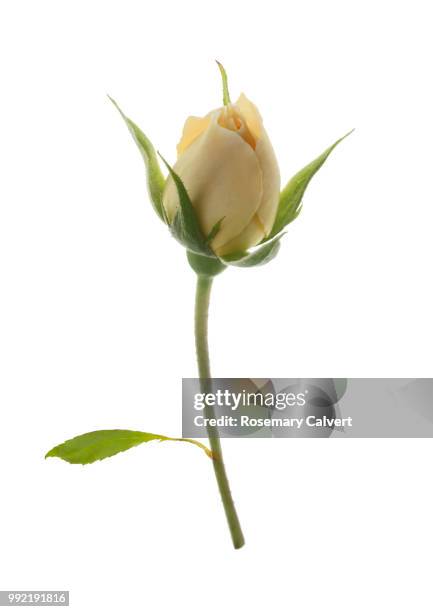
230 171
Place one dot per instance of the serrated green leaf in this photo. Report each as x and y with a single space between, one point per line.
155 178
226 95
185 226
98 445
290 199
262 255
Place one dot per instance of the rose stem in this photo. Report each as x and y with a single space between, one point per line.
204 285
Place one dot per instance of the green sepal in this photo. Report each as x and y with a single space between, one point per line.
154 176
185 226
225 83
214 231
259 257
98 445
289 205
205 266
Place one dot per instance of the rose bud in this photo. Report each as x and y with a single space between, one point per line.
230 171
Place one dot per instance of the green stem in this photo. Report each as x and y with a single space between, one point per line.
204 285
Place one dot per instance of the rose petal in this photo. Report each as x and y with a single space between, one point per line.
194 126
250 236
267 160
223 178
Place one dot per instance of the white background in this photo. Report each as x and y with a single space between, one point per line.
96 321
